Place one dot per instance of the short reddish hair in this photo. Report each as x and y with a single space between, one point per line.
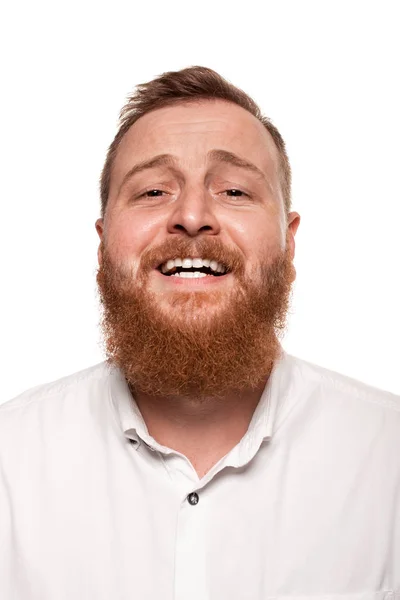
189 85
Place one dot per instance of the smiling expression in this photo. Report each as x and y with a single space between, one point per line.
189 177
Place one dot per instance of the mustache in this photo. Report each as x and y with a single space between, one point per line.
212 249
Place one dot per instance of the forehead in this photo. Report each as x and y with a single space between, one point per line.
189 131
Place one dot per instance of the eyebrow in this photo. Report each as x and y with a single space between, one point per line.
161 160
235 160
217 155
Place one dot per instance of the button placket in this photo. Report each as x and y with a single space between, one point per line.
191 554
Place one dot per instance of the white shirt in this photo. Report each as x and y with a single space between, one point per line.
307 505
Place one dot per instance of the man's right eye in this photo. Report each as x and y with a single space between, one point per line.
153 193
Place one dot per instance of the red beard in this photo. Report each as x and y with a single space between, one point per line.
230 348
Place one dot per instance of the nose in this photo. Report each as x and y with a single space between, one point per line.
194 213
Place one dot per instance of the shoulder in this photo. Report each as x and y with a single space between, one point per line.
58 400
58 387
336 387
336 402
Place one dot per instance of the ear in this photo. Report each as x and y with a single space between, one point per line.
100 231
293 221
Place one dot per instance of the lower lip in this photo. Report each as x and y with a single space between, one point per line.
193 282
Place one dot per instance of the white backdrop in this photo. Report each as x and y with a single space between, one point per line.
326 73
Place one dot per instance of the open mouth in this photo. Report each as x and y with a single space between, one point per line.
192 268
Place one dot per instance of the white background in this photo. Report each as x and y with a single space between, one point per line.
325 72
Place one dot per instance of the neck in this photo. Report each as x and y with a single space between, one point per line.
202 429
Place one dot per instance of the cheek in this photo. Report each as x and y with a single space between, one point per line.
262 249
258 237
125 241
127 235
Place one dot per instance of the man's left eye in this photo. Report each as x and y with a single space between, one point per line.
235 192
153 193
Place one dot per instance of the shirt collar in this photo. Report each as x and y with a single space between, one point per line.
130 417
260 428
263 422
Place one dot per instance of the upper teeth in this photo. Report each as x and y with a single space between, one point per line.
188 263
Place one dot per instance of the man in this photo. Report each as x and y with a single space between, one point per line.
200 461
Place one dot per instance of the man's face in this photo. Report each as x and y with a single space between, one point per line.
195 181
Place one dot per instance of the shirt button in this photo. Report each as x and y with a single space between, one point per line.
193 498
